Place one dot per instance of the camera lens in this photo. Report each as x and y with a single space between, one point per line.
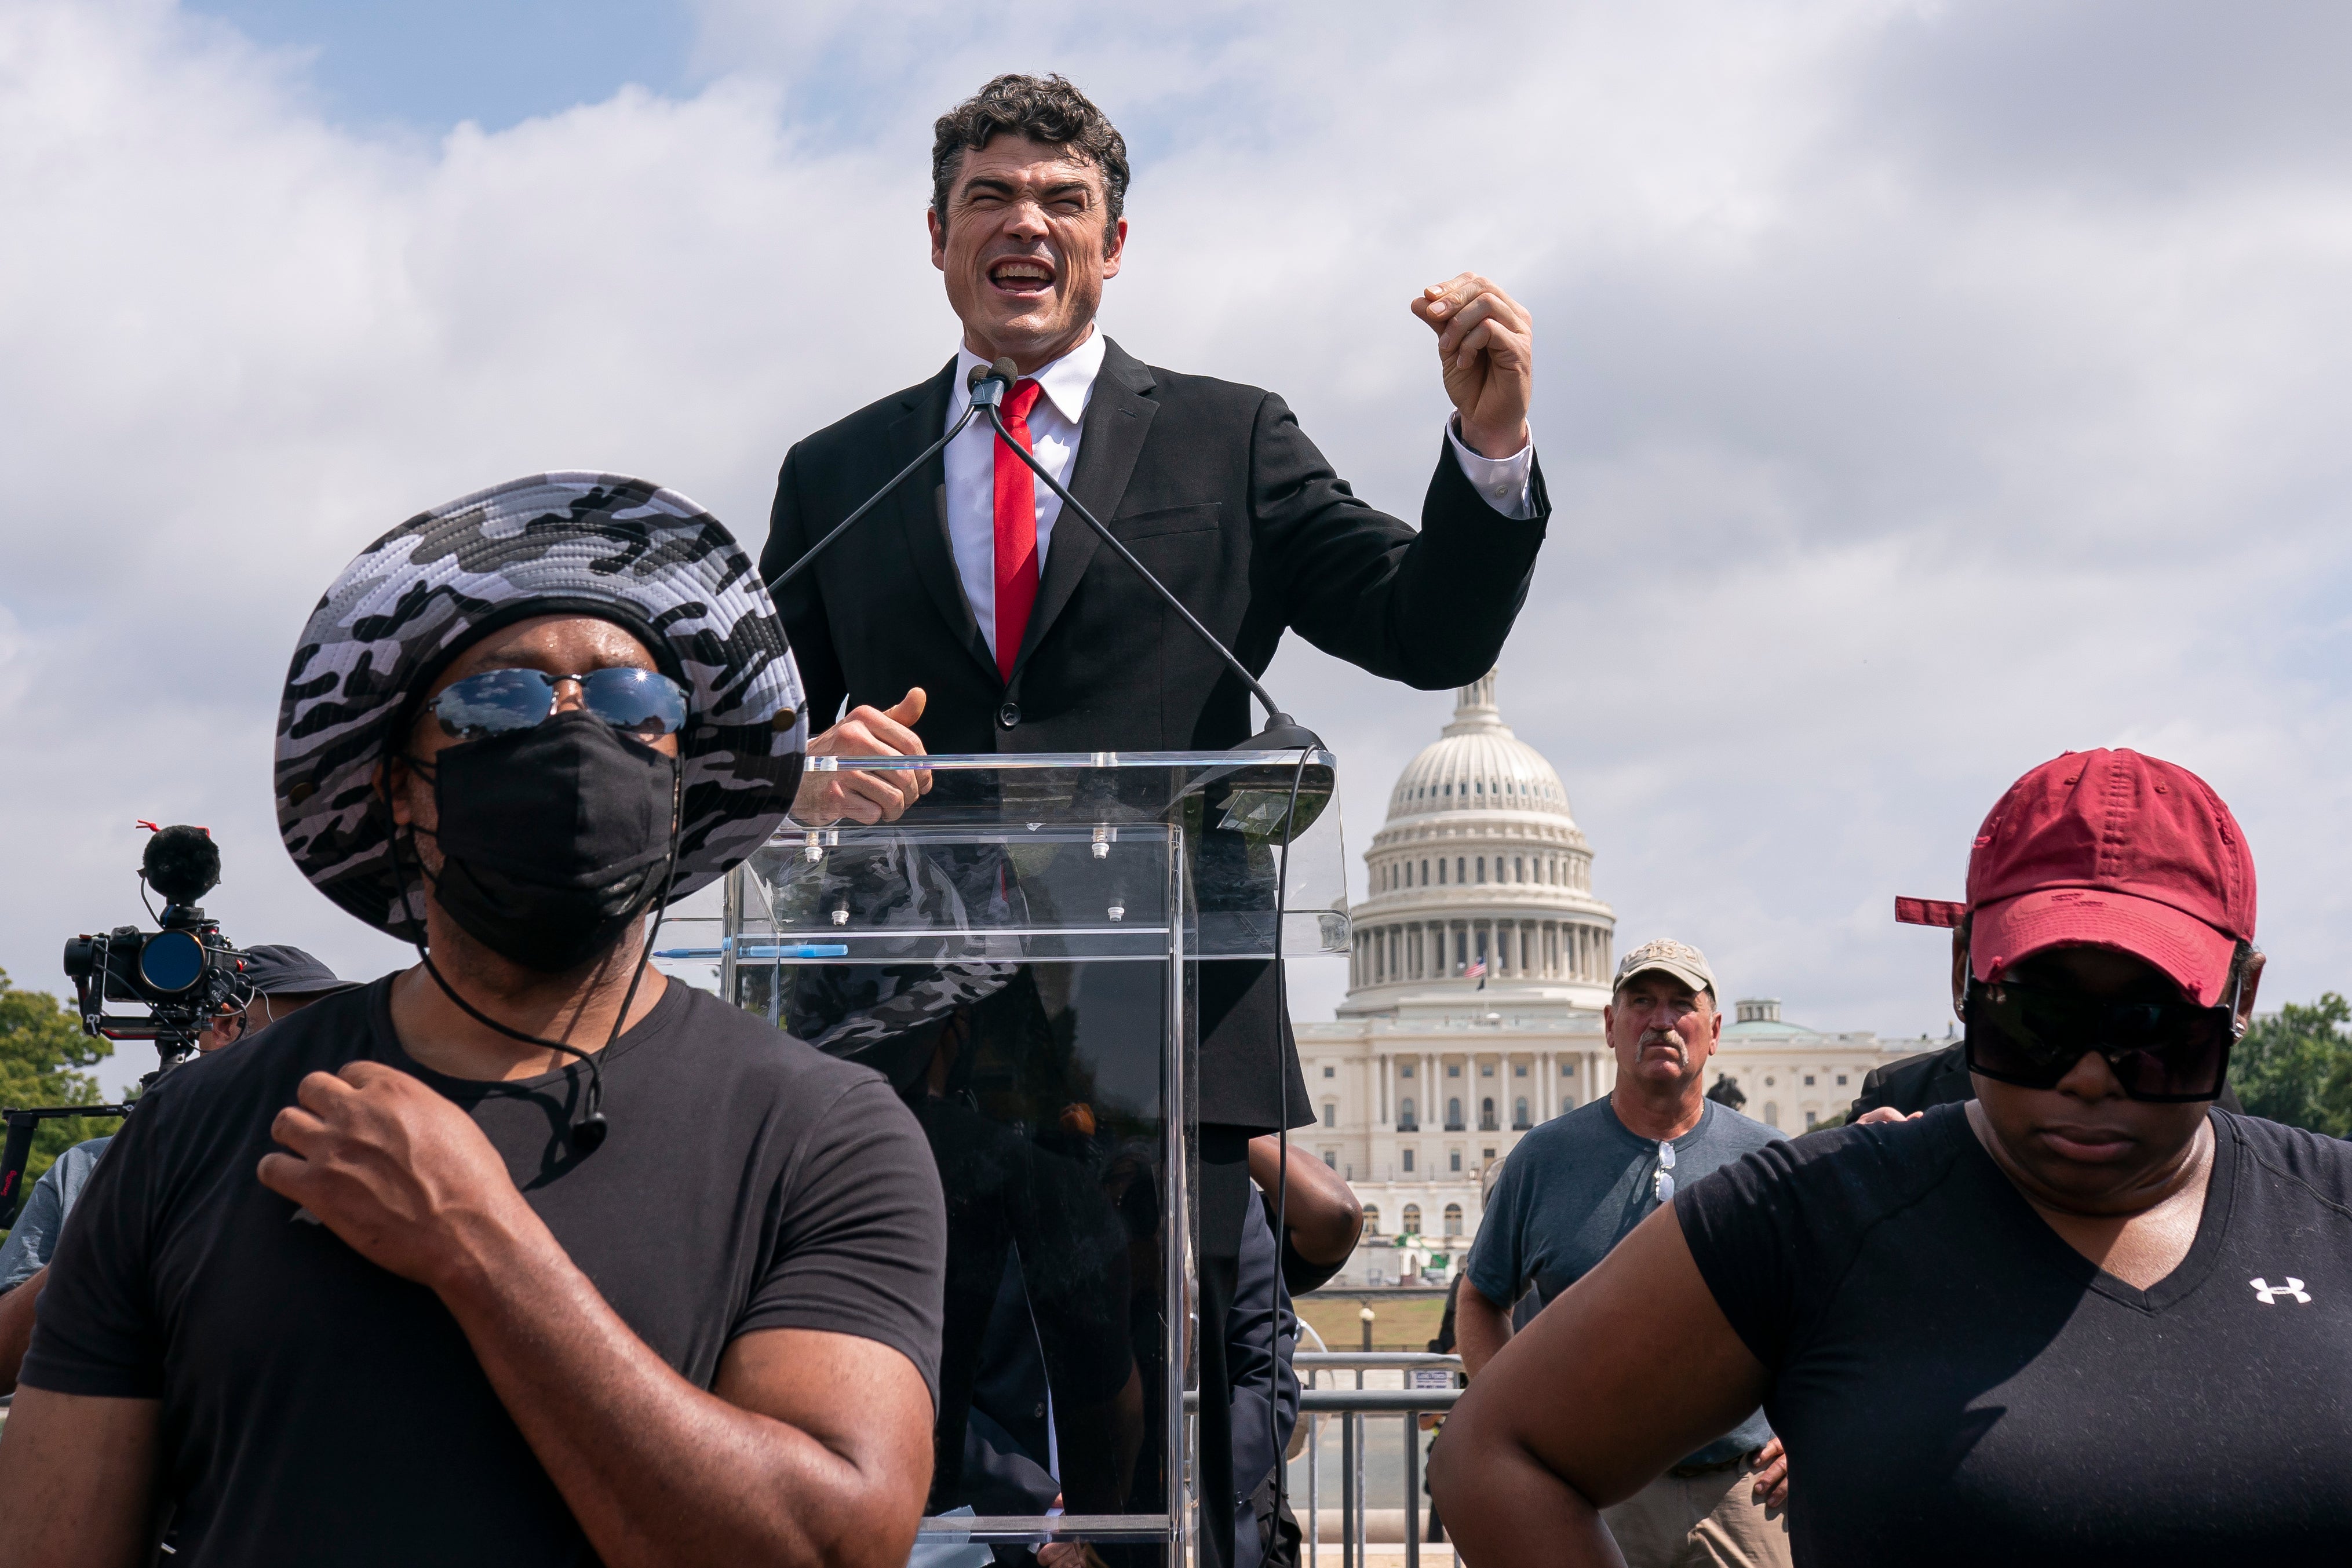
172 961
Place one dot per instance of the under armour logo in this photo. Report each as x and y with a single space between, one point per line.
2268 1293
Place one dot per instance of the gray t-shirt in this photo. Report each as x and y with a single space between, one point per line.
35 1237
1574 1187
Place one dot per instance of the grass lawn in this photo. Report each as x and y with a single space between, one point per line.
1397 1325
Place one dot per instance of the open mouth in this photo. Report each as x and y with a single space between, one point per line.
1021 275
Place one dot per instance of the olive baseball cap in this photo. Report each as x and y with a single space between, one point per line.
1679 959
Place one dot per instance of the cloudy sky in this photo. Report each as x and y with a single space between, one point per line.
1924 389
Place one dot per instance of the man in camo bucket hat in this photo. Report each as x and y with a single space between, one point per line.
618 548
526 1254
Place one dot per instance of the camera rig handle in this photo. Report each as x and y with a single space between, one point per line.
22 1124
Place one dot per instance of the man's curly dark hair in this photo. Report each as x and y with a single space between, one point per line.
1045 108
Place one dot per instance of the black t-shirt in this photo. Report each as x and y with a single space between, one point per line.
1956 1385
316 1408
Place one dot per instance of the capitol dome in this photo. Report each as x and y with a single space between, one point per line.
1480 873
1477 765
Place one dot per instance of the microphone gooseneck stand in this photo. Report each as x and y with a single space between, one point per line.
870 503
989 383
1282 732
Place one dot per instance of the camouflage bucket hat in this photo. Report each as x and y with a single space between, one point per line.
582 543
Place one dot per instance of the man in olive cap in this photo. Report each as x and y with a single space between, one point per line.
1575 1186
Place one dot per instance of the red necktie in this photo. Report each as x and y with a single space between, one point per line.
1016 533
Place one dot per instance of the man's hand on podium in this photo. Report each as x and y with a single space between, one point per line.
827 798
1486 345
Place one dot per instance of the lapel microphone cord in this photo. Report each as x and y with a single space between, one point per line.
587 1131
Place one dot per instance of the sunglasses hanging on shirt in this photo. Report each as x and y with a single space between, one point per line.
1661 1181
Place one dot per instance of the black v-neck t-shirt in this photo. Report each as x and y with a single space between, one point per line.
1956 1385
315 1408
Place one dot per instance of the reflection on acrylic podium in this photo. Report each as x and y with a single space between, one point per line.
1018 955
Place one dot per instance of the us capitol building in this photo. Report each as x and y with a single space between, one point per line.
1427 1078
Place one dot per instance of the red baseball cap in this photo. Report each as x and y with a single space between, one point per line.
2106 850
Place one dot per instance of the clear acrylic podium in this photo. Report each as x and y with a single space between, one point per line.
1017 955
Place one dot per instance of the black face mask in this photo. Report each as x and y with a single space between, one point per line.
553 838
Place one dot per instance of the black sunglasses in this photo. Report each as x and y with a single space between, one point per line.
637 702
2168 1052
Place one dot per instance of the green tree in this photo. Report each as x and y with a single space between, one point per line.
45 1060
2295 1066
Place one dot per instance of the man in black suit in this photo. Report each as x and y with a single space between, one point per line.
1007 628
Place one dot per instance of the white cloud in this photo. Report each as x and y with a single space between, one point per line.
1924 389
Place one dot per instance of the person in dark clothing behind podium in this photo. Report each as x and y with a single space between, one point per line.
1322 1218
990 623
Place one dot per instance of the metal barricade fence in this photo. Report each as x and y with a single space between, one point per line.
1323 1394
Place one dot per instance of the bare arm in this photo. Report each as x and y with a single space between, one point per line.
1531 1456
814 1449
77 1480
17 1326
1481 1328
1321 1212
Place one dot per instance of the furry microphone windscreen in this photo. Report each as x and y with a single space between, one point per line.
182 863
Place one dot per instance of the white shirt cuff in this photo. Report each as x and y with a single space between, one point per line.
1506 484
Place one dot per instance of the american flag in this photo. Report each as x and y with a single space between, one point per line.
1477 971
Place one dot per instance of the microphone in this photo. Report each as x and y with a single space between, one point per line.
990 382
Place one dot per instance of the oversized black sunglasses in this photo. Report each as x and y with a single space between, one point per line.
2163 1051
638 703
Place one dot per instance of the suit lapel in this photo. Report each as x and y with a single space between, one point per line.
922 508
1119 418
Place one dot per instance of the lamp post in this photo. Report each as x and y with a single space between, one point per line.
1365 1317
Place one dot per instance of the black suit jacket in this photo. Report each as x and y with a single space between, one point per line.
1215 489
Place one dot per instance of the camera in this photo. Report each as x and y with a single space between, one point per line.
184 974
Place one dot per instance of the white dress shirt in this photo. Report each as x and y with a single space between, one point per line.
1056 424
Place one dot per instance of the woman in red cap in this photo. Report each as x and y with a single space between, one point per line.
2087 1318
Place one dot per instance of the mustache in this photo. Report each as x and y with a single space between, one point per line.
1660 1037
